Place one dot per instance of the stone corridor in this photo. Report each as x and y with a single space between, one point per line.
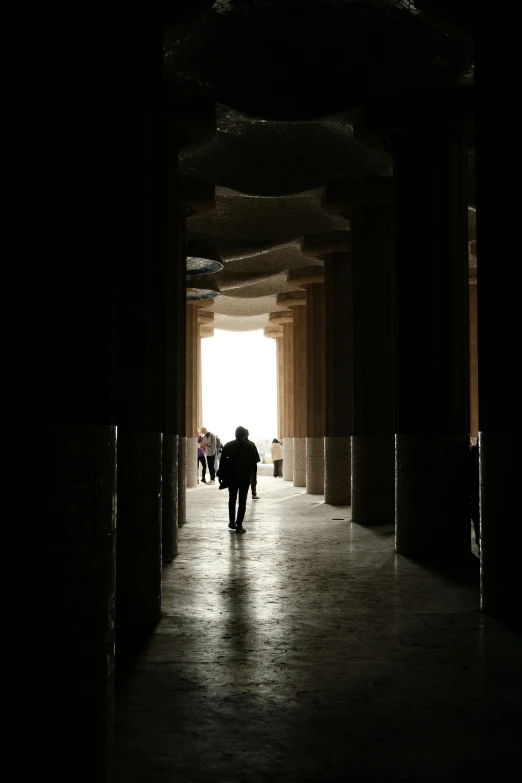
307 650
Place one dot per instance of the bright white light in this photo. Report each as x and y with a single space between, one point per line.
239 372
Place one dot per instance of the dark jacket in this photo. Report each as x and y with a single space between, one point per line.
238 462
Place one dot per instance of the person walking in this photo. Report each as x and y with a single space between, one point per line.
253 484
209 442
201 459
219 449
276 450
236 468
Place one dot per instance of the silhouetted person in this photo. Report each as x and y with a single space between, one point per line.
238 461
209 442
276 450
201 459
474 500
253 483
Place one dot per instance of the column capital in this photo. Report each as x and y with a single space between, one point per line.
377 124
206 331
306 275
317 245
198 197
273 332
205 317
339 197
281 317
291 299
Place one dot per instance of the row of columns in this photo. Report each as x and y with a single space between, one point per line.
387 363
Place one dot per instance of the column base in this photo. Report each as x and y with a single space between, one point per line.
77 649
373 480
432 515
182 480
191 469
299 462
315 466
288 459
138 596
169 502
337 471
500 532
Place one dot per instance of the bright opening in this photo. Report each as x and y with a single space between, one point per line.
239 386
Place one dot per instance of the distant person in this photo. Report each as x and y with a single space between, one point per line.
201 459
276 450
236 468
209 442
253 484
219 449
474 495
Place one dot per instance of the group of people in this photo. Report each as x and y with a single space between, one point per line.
209 452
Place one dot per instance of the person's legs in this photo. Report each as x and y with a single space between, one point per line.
243 492
203 466
232 497
211 470
254 483
275 468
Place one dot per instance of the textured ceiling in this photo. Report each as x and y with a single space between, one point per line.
288 78
263 158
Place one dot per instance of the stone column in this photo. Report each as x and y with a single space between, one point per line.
285 318
498 325
373 447
192 393
432 363
280 385
276 333
431 322
473 355
339 378
313 279
296 300
288 445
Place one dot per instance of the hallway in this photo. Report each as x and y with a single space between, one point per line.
306 650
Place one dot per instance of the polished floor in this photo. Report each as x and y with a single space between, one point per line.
306 650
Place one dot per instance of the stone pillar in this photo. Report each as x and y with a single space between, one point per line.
315 389
296 300
313 279
431 319
473 356
192 393
432 362
199 417
276 333
498 325
280 385
285 318
288 444
373 447
339 378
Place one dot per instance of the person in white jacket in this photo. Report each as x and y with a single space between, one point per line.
276 450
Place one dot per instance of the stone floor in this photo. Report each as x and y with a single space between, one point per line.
306 650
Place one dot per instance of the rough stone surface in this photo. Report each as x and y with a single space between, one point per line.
138 564
337 471
191 469
169 498
288 459
373 480
306 650
299 462
182 480
432 525
315 466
